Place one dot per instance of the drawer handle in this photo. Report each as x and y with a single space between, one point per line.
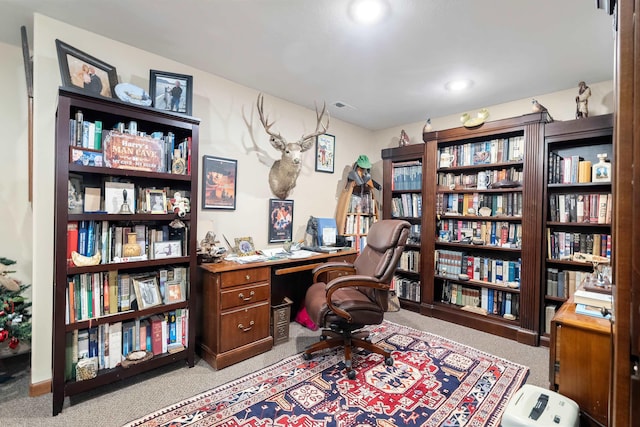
249 298
241 326
247 277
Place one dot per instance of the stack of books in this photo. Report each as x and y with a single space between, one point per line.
592 302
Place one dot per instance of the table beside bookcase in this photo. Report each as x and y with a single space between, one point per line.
580 362
234 322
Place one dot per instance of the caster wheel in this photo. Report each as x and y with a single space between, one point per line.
323 338
351 375
388 361
306 356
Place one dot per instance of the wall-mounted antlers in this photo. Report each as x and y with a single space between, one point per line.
284 172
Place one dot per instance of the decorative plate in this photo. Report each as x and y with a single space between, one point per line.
133 94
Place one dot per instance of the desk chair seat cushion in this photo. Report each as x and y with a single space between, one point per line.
352 300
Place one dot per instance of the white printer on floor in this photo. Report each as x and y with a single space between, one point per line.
533 406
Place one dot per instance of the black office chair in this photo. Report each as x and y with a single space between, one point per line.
358 297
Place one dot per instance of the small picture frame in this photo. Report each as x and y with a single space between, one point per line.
219 183
81 70
280 220
167 249
156 201
244 246
171 91
174 291
325 153
147 292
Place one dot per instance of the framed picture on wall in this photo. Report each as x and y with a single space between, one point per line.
280 220
84 71
171 91
325 153
219 183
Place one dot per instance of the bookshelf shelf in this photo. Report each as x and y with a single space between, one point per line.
357 210
99 307
577 211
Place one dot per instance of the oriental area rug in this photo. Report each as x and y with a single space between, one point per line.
433 382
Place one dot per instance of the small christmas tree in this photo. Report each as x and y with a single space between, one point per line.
15 316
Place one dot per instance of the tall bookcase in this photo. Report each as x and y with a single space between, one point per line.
500 294
357 210
402 198
578 209
96 313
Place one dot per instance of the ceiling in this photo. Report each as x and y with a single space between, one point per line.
389 74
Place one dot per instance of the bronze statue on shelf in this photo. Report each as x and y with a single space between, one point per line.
582 101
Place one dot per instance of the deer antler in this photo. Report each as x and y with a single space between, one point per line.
307 140
276 138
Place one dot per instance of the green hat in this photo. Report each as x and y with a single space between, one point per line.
363 162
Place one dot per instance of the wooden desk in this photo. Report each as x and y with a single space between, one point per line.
236 303
580 362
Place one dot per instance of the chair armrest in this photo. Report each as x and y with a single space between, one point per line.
349 282
330 267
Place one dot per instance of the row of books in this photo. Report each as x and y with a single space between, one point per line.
509 204
107 345
490 301
591 208
568 170
93 295
358 224
451 264
406 288
476 153
89 237
84 133
362 203
564 244
563 283
491 233
414 234
90 135
470 180
406 176
406 205
410 261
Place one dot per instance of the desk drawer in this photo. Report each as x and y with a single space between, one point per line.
241 277
243 326
244 295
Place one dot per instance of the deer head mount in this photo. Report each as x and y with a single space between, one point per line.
284 172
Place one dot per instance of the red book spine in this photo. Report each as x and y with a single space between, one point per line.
72 240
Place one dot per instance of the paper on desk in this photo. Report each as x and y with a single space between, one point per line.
249 258
302 253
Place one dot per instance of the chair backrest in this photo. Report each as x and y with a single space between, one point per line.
379 258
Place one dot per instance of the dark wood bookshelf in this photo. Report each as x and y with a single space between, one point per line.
110 112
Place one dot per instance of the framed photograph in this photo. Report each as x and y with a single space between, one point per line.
156 201
280 220
244 246
118 195
147 292
167 249
325 153
174 291
86 72
171 91
219 183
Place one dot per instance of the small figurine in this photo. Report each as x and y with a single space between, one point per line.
427 126
181 205
582 101
536 107
404 139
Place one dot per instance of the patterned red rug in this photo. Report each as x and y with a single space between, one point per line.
433 382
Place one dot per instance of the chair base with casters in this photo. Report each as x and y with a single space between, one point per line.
350 338
346 297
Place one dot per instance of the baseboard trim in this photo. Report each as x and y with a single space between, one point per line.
40 388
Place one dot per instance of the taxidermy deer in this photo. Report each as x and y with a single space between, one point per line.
284 172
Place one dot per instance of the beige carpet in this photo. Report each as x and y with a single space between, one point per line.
119 403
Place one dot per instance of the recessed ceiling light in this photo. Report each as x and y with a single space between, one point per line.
458 85
368 11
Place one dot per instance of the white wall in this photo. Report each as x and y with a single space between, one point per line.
229 128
